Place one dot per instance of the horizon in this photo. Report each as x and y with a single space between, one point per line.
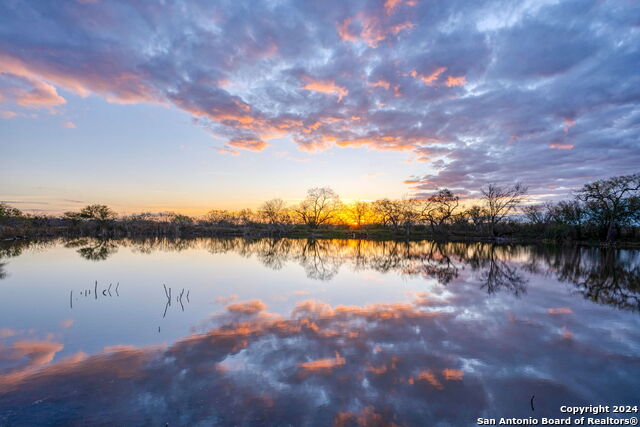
150 108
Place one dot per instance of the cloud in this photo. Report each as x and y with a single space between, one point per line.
249 307
373 364
69 125
478 96
327 87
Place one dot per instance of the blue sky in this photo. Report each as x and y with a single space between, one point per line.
193 105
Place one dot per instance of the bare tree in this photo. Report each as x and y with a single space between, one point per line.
320 207
500 201
274 212
612 201
389 212
439 208
218 216
538 214
358 212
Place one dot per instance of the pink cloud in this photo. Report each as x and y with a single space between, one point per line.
561 146
560 310
326 87
225 150
6 114
248 144
455 81
249 307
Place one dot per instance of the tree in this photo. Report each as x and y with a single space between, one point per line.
7 211
218 216
612 202
180 219
274 212
358 212
100 213
320 206
389 212
476 215
439 208
500 201
538 214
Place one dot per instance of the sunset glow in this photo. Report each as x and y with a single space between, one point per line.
192 106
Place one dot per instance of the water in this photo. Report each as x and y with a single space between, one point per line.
297 332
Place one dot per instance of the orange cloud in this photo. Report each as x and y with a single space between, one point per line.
399 27
561 146
41 95
381 83
224 300
249 307
390 5
69 125
38 352
455 81
452 374
345 33
321 366
372 30
249 144
225 150
66 323
428 377
430 79
327 87
561 310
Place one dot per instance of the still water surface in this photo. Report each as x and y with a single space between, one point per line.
298 332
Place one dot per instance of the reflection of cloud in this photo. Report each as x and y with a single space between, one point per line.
30 353
225 300
400 362
321 366
249 307
66 323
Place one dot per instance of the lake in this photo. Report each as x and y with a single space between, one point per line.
301 332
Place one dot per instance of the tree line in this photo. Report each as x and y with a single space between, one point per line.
605 210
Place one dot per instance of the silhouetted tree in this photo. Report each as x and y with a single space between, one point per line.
96 212
612 202
7 211
358 212
320 207
500 201
439 208
274 212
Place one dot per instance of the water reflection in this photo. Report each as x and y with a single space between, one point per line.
490 327
93 249
384 364
604 275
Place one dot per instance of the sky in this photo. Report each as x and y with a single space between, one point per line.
192 105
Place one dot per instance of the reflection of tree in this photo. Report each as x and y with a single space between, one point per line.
603 275
498 272
14 248
318 260
273 253
94 249
437 263
608 276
